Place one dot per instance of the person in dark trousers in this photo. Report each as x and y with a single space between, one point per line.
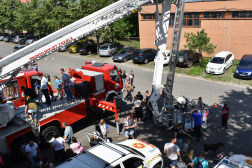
132 77
44 89
197 124
29 92
129 88
58 146
147 109
224 116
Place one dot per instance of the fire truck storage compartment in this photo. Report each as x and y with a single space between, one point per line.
83 88
96 79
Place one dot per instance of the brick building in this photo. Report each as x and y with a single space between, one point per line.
228 24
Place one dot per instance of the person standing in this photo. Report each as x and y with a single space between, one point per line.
130 128
32 112
129 88
72 84
32 151
197 124
178 135
103 129
58 147
131 77
138 109
147 109
224 116
29 92
124 78
65 83
172 152
200 161
44 88
68 133
58 87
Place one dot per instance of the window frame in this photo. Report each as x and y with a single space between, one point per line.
147 15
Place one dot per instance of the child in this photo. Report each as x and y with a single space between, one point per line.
205 115
185 147
39 160
58 87
39 92
125 124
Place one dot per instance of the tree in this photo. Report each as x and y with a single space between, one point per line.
199 42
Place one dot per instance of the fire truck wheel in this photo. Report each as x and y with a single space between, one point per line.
47 135
157 165
18 148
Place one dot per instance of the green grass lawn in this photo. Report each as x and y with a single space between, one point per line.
132 43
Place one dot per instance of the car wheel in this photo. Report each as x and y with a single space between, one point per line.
157 165
89 53
181 59
47 135
146 61
224 70
125 60
190 64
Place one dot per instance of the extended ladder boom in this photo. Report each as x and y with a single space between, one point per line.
12 64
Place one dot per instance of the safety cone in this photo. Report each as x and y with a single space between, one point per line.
215 105
64 69
38 63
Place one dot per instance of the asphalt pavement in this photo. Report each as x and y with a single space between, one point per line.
237 140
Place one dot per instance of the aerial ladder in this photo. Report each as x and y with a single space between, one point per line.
11 65
169 116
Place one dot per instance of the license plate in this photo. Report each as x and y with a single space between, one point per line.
242 75
81 50
136 58
211 71
115 58
120 58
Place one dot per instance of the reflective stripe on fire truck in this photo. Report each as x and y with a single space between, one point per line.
152 159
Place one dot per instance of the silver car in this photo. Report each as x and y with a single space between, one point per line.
2 36
18 38
8 38
18 47
107 50
31 40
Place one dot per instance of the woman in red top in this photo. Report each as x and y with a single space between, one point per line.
225 116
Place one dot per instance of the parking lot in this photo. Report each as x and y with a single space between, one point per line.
237 140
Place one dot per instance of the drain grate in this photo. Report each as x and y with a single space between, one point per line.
49 59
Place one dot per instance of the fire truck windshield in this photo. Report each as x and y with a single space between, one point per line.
114 75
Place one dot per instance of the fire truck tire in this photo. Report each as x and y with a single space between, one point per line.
157 165
18 148
47 135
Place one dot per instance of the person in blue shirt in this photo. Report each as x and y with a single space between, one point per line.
58 87
197 124
200 160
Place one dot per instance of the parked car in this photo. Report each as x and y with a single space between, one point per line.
8 38
166 57
74 48
22 41
31 39
188 58
18 47
18 38
2 36
220 63
88 49
244 68
107 50
124 54
64 47
88 41
144 55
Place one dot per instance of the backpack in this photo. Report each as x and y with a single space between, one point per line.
107 129
80 147
199 164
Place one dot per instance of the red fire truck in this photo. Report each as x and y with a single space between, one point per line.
97 86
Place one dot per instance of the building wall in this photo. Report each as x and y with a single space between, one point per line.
228 33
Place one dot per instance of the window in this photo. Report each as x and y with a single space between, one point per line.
244 14
235 14
250 14
228 57
191 19
133 163
214 14
148 16
114 75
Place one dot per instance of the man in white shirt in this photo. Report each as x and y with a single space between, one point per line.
32 151
58 147
172 152
44 88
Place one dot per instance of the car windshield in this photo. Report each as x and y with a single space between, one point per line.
137 52
217 60
131 150
77 43
103 47
245 64
123 51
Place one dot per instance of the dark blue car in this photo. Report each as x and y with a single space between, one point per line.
244 68
144 55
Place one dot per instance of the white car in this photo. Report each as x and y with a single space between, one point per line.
220 62
235 161
166 58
